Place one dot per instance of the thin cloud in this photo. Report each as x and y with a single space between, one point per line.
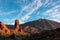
8 13
31 7
53 13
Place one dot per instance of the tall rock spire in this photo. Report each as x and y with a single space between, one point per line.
17 27
17 24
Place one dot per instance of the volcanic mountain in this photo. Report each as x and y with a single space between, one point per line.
38 25
43 23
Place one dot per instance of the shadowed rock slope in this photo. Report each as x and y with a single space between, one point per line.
43 24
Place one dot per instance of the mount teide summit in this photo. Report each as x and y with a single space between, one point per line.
43 24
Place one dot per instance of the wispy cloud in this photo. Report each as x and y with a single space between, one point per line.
50 3
25 9
31 8
8 13
53 13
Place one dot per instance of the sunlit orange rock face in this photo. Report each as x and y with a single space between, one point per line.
16 26
4 29
17 30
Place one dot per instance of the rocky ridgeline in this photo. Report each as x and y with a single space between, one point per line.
4 30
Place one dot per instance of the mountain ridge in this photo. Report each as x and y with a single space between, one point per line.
41 23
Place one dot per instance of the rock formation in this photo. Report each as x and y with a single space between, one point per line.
17 27
4 29
18 30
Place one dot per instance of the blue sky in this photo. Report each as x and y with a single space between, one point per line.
29 10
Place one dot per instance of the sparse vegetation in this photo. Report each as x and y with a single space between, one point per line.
44 35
